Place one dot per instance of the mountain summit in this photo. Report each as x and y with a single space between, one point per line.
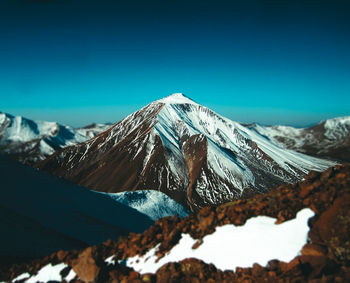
185 150
176 98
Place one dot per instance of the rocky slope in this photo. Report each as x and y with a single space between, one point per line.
185 150
324 258
329 139
29 141
40 214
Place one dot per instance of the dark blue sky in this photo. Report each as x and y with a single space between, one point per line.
81 61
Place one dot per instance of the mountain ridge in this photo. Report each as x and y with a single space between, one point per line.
184 149
30 141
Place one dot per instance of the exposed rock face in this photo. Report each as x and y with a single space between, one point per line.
185 150
328 139
85 265
325 258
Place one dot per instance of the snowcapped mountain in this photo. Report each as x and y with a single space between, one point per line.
185 150
328 139
29 141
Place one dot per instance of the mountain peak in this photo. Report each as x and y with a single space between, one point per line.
176 98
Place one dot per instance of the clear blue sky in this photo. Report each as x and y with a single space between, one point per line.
83 61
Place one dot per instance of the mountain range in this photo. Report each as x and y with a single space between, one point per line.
189 152
147 172
329 139
30 141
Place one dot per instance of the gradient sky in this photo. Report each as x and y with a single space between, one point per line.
81 61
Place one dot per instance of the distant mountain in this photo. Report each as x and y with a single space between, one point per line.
185 150
92 130
29 141
328 139
40 214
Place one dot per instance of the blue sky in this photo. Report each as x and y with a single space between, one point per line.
79 62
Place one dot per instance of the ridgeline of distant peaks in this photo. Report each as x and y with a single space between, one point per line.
179 147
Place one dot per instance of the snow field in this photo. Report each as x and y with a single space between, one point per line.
258 241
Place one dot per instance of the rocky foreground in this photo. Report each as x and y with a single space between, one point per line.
325 258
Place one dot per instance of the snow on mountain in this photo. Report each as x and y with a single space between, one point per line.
154 204
92 130
329 139
185 150
41 214
29 141
259 240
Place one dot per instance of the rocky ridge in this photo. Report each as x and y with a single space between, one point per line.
328 139
325 258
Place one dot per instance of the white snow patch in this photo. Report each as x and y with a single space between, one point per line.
152 203
71 275
21 277
45 148
110 260
47 273
258 241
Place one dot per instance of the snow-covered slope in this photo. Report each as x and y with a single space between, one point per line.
29 141
328 139
185 150
41 214
259 240
154 204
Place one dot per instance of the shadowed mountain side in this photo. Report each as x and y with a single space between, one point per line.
52 214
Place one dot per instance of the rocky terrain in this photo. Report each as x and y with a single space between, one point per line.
30 141
185 150
325 257
329 139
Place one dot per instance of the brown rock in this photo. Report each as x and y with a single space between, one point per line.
313 250
206 222
306 190
61 255
85 266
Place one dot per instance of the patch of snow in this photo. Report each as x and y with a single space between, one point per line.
71 275
152 203
110 260
258 241
21 277
45 148
48 273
